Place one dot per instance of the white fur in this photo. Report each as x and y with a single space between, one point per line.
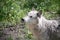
42 21
33 13
43 24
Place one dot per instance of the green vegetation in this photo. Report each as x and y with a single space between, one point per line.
9 38
11 11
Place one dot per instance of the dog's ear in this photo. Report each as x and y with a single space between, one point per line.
39 13
33 8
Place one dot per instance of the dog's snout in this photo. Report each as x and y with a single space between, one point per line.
22 20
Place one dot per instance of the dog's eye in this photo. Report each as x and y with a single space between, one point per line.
38 14
30 16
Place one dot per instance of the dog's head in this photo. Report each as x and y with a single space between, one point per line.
31 16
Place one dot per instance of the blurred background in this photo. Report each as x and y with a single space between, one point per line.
11 11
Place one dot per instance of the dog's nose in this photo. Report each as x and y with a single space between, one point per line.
22 20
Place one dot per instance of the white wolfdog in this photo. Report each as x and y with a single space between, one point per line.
42 28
